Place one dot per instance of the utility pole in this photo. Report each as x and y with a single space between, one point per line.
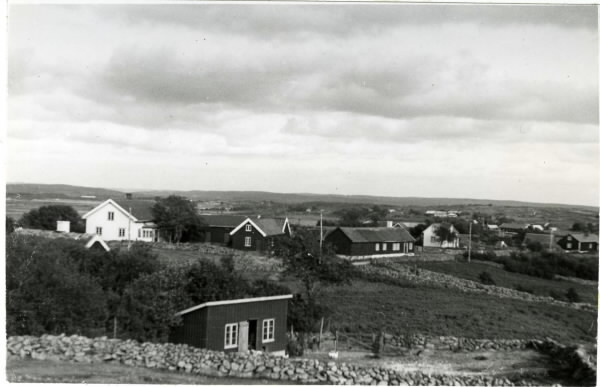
551 237
470 225
129 230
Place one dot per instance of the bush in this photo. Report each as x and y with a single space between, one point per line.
486 278
522 288
572 295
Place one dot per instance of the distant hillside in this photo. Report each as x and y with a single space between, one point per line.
259 196
60 190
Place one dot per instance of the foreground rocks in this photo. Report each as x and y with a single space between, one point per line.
188 359
400 271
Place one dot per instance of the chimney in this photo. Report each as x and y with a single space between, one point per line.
128 195
390 224
63 226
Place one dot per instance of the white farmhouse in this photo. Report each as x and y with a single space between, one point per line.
127 220
430 239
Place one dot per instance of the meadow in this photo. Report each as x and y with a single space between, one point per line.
534 285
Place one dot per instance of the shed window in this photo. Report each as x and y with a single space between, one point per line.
121 232
384 246
376 246
248 227
99 231
396 247
569 245
247 241
231 335
111 215
268 330
410 246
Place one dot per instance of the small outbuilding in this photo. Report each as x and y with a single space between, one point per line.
259 233
579 242
216 228
236 325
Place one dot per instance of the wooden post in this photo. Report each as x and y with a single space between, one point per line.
336 340
469 258
321 331
115 327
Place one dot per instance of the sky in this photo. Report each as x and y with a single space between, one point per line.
429 100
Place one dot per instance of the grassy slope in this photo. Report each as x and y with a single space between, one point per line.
439 312
38 371
541 287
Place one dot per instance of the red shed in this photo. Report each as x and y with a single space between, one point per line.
236 325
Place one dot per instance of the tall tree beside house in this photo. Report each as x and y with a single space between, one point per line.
445 233
177 219
45 217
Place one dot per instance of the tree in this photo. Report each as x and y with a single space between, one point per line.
572 295
486 278
45 293
445 233
303 260
416 231
177 217
10 225
45 217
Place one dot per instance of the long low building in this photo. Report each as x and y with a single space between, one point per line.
362 243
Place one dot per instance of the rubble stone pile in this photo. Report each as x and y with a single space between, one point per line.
188 359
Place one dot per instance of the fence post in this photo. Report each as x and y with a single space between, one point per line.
321 331
114 327
336 340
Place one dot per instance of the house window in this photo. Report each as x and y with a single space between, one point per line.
147 233
396 247
569 238
247 241
376 246
111 215
121 232
248 227
99 231
268 330
384 246
139 232
433 239
569 245
410 246
231 335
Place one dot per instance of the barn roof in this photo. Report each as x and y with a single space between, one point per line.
223 220
140 209
582 237
233 302
377 234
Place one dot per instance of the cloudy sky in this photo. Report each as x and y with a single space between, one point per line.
495 102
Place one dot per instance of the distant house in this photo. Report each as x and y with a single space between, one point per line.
358 243
125 220
216 228
430 238
512 227
259 233
236 325
493 227
579 242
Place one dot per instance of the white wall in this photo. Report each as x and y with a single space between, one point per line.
110 228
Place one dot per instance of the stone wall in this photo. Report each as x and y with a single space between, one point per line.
252 365
427 277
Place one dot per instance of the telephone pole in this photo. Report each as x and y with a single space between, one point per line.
321 239
469 255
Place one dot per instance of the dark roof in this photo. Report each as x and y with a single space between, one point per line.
514 226
377 234
270 226
141 209
223 220
581 237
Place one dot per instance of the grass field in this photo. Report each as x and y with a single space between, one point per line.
501 277
15 208
45 371
365 306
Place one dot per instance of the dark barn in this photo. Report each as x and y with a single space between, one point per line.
236 325
579 242
259 233
356 243
216 228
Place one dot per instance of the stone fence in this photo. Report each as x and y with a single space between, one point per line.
188 359
427 277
